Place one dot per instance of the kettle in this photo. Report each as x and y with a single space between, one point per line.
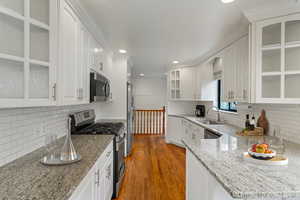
200 111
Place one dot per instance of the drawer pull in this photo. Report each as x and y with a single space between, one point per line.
97 173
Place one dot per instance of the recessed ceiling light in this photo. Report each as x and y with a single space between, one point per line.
96 50
123 51
227 1
175 62
142 75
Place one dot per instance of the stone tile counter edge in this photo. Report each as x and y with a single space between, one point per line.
26 178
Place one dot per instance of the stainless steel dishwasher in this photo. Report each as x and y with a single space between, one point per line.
208 134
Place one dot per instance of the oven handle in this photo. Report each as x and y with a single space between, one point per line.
122 170
119 143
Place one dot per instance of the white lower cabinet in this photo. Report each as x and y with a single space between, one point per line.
174 130
98 183
87 188
200 183
193 133
179 128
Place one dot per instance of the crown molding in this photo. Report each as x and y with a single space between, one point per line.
89 23
271 10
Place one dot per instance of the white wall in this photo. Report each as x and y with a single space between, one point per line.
150 93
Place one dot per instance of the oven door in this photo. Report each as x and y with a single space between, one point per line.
119 163
120 149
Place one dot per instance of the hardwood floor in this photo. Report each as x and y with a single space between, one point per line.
154 171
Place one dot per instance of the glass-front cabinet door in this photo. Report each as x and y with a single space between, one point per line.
174 84
278 60
27 52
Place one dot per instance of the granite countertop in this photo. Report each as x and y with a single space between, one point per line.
223 159
27 179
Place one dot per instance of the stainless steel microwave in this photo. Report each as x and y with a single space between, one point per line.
99 87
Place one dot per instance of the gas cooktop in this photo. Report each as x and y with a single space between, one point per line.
101 128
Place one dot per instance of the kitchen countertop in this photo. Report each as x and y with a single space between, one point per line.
223 159
27 179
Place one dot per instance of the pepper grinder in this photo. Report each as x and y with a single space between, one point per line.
68 153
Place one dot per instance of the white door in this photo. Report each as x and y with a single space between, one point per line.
69 57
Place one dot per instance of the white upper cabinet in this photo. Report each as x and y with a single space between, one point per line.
174 85
198 83
98 58
28 58
277 59
236 74
206 85
69 41
74 59
228 79
187 83
182 83
46 54
242 74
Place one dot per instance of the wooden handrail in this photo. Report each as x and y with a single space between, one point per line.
149 121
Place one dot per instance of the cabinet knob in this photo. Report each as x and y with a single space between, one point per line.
54 92
229 94
108 154
108 171
244 94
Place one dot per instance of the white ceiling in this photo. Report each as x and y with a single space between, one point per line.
156 32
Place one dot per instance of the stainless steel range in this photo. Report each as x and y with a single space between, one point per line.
84 123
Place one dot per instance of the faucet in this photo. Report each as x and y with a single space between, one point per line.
217 109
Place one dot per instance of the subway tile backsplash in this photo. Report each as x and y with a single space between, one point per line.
284 117
23 130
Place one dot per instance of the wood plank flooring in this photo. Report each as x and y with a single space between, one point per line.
154 171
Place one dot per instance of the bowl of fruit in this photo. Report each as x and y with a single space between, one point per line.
261 151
